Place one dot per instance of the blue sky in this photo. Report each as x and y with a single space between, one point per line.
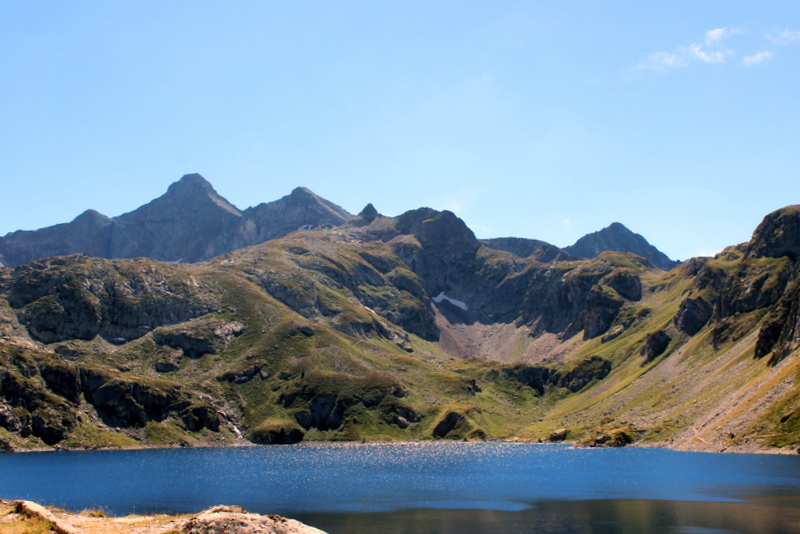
546 120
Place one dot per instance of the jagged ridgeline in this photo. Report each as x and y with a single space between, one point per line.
370 327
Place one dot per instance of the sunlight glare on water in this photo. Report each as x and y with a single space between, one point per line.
492 483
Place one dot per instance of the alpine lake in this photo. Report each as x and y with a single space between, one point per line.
430 487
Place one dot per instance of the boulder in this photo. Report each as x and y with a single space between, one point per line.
236 520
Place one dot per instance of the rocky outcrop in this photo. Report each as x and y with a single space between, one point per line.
586 371
27 407
76 297
617 237
535 377
191 222
454 423
316 402
40 395
780 333
778 235
279 432
610 435
236 520
573 298
132 402
32 509
215 520
655 345
542 378
448 423
198 339
693 315
244 376
751 285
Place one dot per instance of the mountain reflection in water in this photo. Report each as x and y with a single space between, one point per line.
574 517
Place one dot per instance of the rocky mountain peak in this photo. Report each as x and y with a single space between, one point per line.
91 217
190 222
302 192
778 235
189 183
194 191
616 237
309 202
446 230
368 213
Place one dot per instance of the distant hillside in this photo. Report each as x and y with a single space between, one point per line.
190 222
618 238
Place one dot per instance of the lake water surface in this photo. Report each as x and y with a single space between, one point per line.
421 488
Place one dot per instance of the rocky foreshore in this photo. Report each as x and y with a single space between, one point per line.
25 516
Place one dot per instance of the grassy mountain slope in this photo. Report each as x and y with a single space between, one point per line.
404 328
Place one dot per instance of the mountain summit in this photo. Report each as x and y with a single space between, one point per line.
191 222
194 189
618 238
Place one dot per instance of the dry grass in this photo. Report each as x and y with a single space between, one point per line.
89 521
14 523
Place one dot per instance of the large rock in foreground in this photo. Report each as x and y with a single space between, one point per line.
236 520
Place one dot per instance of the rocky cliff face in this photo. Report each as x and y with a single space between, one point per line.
618 238
191 222
76 297
778 235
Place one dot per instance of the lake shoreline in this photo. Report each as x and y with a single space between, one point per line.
748 448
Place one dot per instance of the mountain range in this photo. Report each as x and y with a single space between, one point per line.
191 222
295 320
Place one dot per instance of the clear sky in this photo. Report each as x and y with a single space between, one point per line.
538 119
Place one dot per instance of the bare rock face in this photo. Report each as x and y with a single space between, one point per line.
655 345
780 334
693 315
204 339
191 222
777 235
236 520
591 368
76 297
